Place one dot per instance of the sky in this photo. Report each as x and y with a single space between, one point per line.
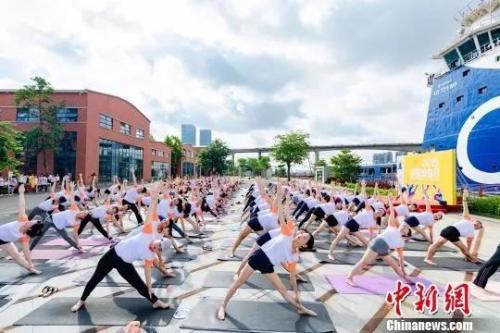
345 71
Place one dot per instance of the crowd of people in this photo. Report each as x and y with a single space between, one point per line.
32 182
286 216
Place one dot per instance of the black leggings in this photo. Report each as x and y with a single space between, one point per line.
109 261
134 208
62 232
488 269
97 224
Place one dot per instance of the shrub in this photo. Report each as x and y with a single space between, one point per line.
488 206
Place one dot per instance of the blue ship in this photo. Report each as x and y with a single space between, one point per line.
464 109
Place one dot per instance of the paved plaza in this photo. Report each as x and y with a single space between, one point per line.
348 312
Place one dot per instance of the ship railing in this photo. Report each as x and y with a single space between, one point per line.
485 49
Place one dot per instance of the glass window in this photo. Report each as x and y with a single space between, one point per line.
495 35
441 105
483 40
65 159
153 152
124 128
159 170
482 90
116 159
465 72
452 59
460 98
139 133
105 121
27 114
468 50
67 115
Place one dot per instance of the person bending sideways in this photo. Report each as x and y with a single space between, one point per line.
60 221
420 222
466 227
390 239
20 231
283 249
121 257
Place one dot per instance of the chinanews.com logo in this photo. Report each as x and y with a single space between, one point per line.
455 299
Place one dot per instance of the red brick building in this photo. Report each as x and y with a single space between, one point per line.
104 134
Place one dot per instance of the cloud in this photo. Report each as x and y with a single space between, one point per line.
343 70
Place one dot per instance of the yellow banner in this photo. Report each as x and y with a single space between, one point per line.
434 168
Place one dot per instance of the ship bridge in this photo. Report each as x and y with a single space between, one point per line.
479 33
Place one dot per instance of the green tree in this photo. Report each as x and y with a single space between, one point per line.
10 145
46 135
242 165
345 166
291 148
280 171
176 153
213 158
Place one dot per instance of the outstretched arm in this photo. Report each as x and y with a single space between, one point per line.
428 207
132 171
21 208
465 205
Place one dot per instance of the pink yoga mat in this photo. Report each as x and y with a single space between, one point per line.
60 254
370 284
81 241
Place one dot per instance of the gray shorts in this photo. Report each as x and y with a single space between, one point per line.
380 246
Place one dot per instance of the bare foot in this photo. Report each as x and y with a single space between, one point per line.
430 262
221 313
160 305
351 282
231 255
303 311
80 304
331 257
170 274
34 271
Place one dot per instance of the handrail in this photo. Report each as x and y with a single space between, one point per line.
485 49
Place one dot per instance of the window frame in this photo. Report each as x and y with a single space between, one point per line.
123 126
104 124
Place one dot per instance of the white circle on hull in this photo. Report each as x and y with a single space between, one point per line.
468 168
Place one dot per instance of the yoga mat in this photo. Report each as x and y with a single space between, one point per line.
246 243
188 255
4 301
12 273
451 263
255 316
423 246
369 284
55 254
238 255
114 279
345 258
82 241
490 294
104 311
223 279
325 245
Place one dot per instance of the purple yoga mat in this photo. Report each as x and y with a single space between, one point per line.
60 254
370 284
81 241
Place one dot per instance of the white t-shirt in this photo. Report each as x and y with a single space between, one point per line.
146 201
46 205
135 248
341 216
162 209
99 212
9 232
279 250
131 195
465 227
402 210
328 208
269 221
392 236
424 218
365 219
64 219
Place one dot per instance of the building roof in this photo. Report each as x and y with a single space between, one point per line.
84 91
